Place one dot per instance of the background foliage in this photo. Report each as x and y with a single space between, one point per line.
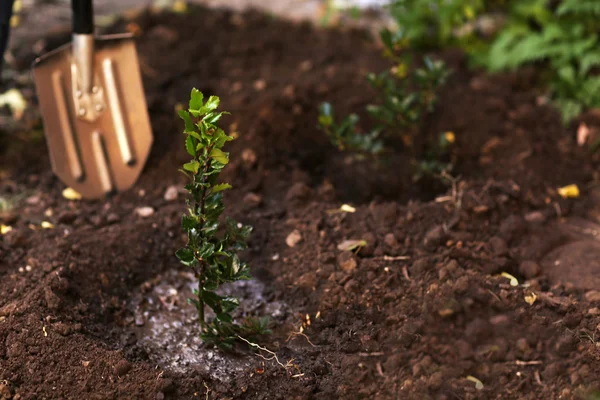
562 37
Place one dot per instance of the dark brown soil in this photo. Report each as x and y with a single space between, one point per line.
410 316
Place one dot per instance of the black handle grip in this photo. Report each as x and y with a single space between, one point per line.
83 16
6 8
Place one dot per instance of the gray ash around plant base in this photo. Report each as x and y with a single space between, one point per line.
6 7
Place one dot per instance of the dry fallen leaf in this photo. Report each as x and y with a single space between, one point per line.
446 312
530 299
46 225
569 191
293 238
347 208
349 245
71 194
179 6
4 229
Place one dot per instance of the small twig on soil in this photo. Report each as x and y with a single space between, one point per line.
519 362
207 390
375 354
538 379
294 334
495 296
391 258
379 369
405 273
457 192
274 355
557 209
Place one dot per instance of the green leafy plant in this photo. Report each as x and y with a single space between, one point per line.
565 39
209 253
346 135
402 106
433 23
561 36
405 97
404 101
437 159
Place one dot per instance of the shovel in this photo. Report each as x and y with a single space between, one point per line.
94 110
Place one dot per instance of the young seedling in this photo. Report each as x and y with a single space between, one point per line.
211 254
345 135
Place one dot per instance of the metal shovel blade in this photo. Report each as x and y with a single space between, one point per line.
98 142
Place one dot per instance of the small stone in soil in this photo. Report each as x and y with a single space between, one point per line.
139 319
249 157
144 211
307 280
62 329
390 241
535 217
52 300
293 238
252 200
347 262
122 367
498 246
171 193
529 269
298 193
66 217
113 218
593 296
434 237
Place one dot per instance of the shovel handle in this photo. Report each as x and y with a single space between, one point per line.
6 9
83 16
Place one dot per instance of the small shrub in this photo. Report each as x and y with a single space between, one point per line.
562 37
430 24
405 97
565 39
211 255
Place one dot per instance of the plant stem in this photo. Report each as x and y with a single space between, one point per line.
200 272
201 302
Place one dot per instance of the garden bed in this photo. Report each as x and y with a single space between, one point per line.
411 315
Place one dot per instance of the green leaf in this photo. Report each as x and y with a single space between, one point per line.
235 264
212 103
225 317
386 38
185 255
193 166
206 250
190 146
196 100
213 118
229 304
349 245
211 299
187 119
189 222
220 156
220 187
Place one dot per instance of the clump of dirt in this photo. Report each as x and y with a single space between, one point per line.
419 312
